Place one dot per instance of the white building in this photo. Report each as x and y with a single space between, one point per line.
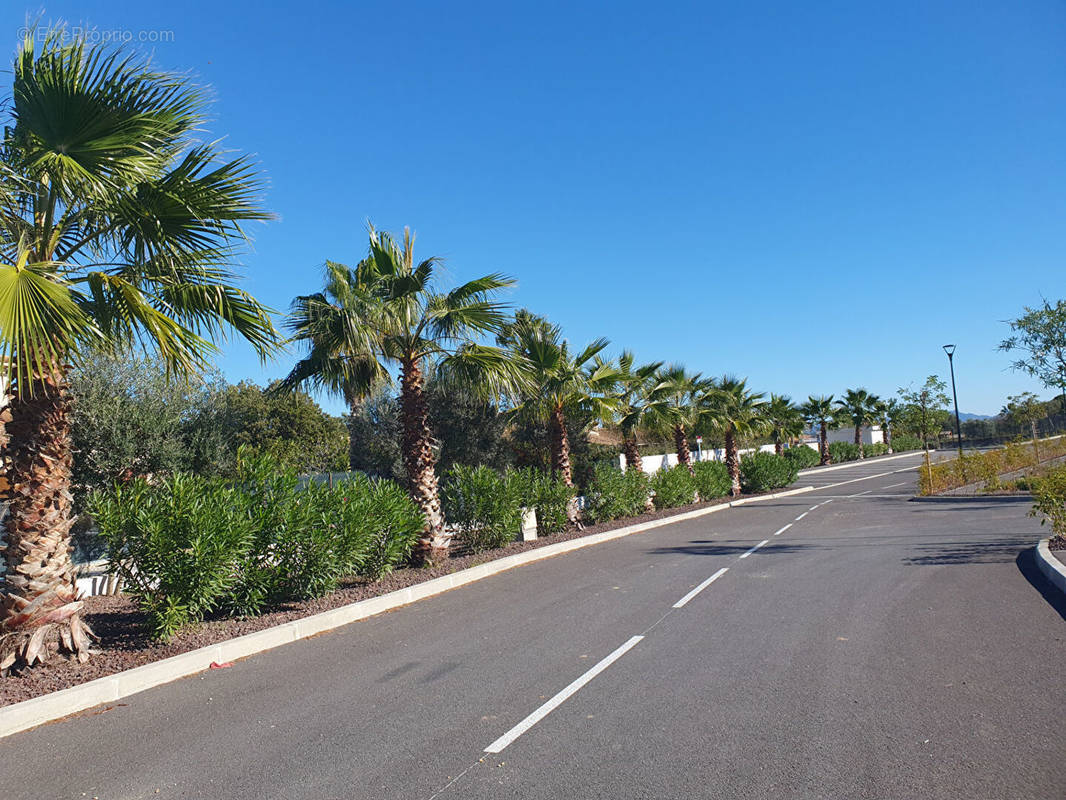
870 435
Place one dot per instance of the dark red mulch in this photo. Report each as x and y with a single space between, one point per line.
125 643
1057 542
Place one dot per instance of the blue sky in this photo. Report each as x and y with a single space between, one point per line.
817 197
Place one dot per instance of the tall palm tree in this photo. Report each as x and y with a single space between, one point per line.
859 406
678 406
888 413
820 411
559 383
638 396
398 319
118 228
784 419
738 413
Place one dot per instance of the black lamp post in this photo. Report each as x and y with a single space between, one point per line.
950 350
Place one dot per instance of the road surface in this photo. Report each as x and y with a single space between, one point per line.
843 643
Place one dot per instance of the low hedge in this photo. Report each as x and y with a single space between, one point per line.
613 494
902 443
803 456
764 472
712 479
485 505
673 487
839 452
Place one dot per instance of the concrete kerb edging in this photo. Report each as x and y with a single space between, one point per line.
1053 569
845 465
47 708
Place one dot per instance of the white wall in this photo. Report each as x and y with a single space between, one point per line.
869 435
652 464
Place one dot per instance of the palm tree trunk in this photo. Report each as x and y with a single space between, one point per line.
560 442
632 452
1036 449
681 445
823 442
858 439
418 462
779 447
39 612
888 438
732 462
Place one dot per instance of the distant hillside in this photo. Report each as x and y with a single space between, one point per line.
964 416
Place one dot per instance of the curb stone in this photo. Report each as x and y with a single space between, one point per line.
36 711
1053 569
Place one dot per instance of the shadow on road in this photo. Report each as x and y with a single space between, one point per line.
1031 572
984 551
706 547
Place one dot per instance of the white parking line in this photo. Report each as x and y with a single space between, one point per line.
500 744
756 547
814 507
893 485
778 533
801 516
681 603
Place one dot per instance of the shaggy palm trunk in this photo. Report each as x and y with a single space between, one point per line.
858 440
823 443
732 463
681 445
631 452
560 444
779 447
418 463
39 611
888 438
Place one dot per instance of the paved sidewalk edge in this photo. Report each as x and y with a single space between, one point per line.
1053 569
36 711
857 462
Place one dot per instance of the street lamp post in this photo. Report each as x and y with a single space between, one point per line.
950 350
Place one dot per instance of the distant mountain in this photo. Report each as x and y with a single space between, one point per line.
964 416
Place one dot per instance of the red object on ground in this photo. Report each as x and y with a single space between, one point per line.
216 665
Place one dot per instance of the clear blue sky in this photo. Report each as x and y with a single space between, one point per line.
816 197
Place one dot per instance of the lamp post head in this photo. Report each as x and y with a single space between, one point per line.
949 349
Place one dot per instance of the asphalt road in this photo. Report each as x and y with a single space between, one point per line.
877 648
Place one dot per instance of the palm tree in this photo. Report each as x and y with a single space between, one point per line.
397 318
859 406
820 411
888 412
118 228
784 419
638 398
738 413
678 406
559 383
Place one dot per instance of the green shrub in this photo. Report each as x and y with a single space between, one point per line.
712 479
484 504
673 487
839 452
393 519
547 494
903 442
803 456
178 546
875 449
613 494
764 472
1049 499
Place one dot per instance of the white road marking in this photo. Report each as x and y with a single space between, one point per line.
827 502
801 516
893 485
814 507
778 533
756 547
500 744
681 603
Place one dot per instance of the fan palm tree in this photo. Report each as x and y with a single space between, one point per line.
859 406
820 411
118 228
888 413
784 419
395 317
559 383
677 409
738 413
638 396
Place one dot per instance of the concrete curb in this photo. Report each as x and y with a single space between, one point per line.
47 708
1053 569
845 465
969 498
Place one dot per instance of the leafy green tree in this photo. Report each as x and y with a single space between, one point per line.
396 317
784 420
469 429
118 226
374 431
1026 410
860 407
821 411
1039 337
738 413
925 412
559 383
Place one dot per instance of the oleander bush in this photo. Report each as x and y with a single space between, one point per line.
764 472
485 505
803 456
613 494
839 452
712 479
903 442
1049 500
547 494
190 546
875 449
673 487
